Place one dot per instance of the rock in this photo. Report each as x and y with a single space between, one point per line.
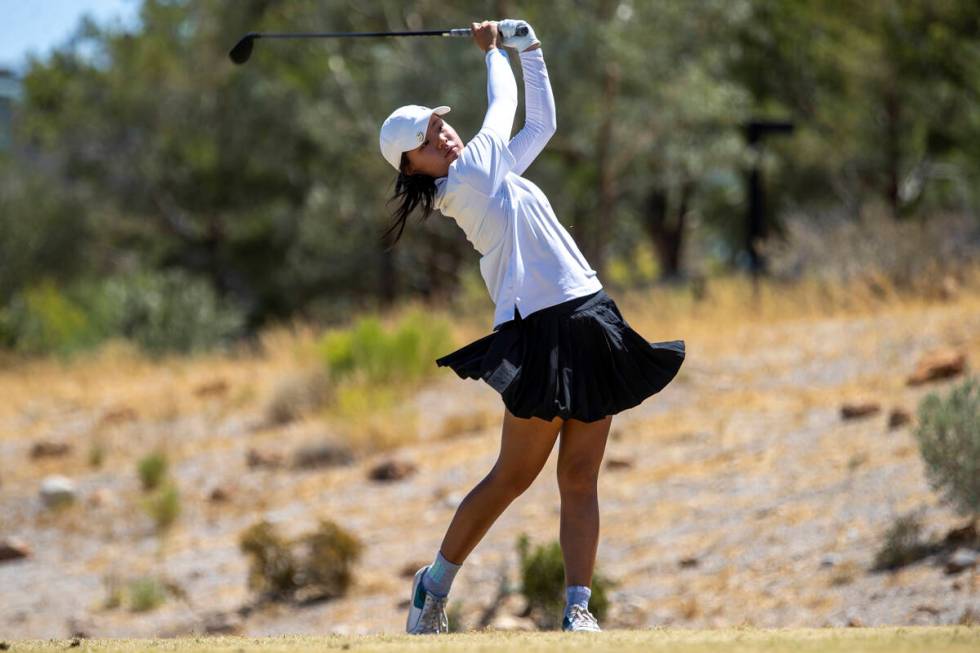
853 410
222 623
392 470
324 454
511 623
57 491
47 449
618 463
899 417
937 366
13 549
220 494
967 535
855 622
830 559
687 563
961 559
255 458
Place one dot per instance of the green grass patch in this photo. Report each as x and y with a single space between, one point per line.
911 639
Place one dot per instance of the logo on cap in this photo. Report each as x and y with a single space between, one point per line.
420 136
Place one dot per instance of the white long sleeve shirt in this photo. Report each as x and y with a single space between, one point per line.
529 261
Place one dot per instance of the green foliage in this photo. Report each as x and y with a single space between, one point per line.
902 545
152 470
948 434
164 312
369 352
45 320
543 583
146 594
163 506
316 565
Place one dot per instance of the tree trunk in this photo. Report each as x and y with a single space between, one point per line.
666 230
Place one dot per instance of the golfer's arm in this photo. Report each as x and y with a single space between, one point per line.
540 121
501 94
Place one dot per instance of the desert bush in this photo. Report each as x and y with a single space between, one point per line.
948 434
903 544
45 320
909 254
377 355
163 312
163 506
296 395
152 469
543 583
317 565
146 594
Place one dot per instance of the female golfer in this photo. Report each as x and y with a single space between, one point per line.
561 355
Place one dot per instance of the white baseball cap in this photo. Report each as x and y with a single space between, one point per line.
405 129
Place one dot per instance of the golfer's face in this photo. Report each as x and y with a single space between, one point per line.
440 148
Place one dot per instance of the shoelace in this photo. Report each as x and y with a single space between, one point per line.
434 614
578 614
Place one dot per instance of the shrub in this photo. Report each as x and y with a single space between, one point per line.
948 434
543 583
44 320
163 506
405 353
163 312
152 469
902 545
317 565
146 594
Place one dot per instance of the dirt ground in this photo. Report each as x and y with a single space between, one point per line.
742 497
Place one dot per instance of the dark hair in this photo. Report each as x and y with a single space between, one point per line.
411 191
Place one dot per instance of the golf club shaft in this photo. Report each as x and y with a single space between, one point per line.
464 31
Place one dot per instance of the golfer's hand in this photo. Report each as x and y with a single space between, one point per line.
485 35
508 31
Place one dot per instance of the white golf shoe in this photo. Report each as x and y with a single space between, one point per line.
427 612
579 619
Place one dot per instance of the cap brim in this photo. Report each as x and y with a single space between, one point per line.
441 111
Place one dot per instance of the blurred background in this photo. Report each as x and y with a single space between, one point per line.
199 319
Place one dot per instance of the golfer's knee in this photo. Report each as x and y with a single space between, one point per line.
511 484
578 480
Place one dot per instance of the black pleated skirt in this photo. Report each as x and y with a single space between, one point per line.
575 360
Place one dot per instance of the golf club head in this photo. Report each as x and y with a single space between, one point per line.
243 49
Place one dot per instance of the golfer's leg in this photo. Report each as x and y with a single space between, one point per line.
524 448
580 452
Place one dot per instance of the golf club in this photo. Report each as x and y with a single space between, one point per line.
243 49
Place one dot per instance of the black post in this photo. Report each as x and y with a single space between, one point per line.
757 227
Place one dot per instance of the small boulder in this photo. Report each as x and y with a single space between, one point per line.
220 494
222 623
324 454
119 415
13 549
856 409
961 559
268 459
392 470
57 491
618 463
937 366
687 563
48 449
898 418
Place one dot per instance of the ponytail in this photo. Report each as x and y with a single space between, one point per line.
411 191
